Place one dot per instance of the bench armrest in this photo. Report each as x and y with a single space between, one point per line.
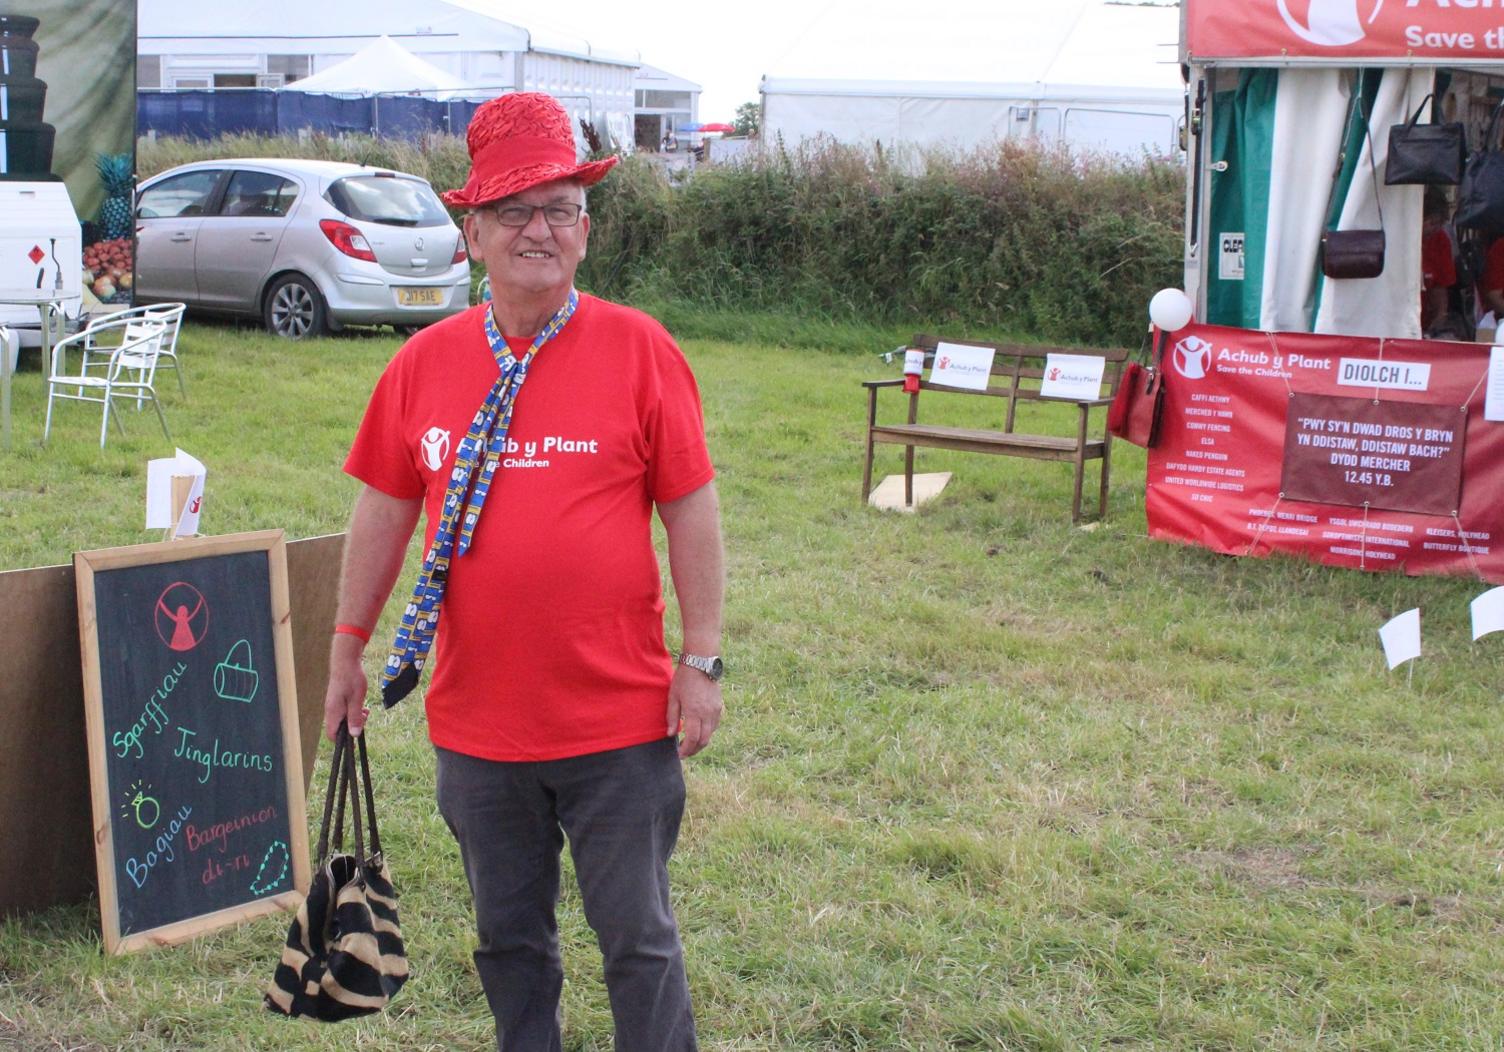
882 383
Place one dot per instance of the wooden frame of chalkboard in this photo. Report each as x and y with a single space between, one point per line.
195 761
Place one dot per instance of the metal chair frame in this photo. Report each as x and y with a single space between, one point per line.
136 352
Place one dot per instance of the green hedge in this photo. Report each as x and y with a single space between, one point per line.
1014 239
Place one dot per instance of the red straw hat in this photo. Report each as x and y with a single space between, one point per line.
518 141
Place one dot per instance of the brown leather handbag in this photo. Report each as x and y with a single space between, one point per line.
1139 403
1354 253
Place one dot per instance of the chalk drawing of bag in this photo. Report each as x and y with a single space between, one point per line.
234 678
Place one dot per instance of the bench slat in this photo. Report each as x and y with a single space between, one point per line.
940 436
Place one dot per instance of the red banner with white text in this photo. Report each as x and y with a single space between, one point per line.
1343 30
1372 454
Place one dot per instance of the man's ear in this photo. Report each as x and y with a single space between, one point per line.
471 227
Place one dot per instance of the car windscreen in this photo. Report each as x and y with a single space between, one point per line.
388 200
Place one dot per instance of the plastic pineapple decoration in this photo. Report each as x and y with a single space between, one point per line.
108 270
116 172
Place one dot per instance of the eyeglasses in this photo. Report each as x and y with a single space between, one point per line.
521 215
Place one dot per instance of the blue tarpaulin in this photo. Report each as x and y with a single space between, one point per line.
207 114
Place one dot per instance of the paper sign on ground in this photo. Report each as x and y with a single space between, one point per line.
1077 377
1493 402
1488 613
1401 637
159 510
957 365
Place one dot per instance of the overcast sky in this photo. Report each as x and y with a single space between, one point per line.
724 48
727 49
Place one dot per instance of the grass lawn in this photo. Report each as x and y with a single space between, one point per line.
986 781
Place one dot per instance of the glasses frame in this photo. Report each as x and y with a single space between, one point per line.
496 208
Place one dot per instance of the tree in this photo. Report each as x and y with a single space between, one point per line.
748 114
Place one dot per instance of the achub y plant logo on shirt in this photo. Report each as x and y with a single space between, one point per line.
1192 356
1328 23
435 445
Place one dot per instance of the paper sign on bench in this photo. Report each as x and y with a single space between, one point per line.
960 365
1077 377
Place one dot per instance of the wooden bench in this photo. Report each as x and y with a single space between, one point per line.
1016 375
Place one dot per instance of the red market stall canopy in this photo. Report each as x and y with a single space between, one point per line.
1343 32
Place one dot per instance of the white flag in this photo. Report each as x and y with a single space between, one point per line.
1401 638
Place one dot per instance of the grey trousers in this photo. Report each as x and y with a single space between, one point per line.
621 812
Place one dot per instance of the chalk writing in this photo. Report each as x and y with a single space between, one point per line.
162 851
214 757
216 868
153 714
219 833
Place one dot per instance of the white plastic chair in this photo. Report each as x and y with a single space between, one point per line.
169 315
136 353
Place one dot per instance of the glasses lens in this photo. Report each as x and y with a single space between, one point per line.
553 215
513 215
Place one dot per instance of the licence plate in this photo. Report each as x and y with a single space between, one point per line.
420 297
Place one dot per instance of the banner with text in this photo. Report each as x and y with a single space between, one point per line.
1342 30
1373 454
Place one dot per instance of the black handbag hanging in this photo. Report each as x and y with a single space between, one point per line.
344 955
1354 253
1480 198
1425 154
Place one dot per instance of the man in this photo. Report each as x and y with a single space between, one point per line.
555 706
1438 272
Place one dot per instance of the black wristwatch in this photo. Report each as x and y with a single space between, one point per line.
711 666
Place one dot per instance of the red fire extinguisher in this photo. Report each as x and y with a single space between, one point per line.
913 368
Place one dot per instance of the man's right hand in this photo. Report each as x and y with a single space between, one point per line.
346 698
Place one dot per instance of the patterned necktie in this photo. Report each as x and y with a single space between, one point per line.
488 436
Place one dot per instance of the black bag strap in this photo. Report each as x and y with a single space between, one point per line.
1415 117
365 781
335 786
352 785
1358 108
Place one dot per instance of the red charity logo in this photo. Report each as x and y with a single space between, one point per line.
1054 374
945 362
176 620
194 506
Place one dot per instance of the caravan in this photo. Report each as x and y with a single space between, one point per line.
41 255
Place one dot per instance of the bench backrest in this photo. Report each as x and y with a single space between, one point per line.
1018 369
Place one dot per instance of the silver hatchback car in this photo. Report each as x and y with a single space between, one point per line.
304 245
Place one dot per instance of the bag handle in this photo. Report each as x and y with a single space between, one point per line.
1361 110
365 780
347 784
1415 117
336 785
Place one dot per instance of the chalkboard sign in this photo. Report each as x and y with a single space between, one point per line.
194 754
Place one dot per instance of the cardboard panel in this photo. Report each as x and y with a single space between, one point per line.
45 821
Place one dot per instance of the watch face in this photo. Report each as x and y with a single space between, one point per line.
717 670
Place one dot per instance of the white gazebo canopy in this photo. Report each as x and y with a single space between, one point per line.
383 67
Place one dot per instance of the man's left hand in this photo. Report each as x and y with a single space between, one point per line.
694 709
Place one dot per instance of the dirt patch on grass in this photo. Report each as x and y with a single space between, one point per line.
1278 869
1265 868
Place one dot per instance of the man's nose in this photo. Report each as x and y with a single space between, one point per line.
537 227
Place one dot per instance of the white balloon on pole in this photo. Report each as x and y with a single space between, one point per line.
1171 310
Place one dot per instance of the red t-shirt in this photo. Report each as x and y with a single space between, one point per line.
1493 267
1436 268
550 640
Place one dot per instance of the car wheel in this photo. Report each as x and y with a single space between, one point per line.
294 309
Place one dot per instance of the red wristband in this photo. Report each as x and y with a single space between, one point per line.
353 630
